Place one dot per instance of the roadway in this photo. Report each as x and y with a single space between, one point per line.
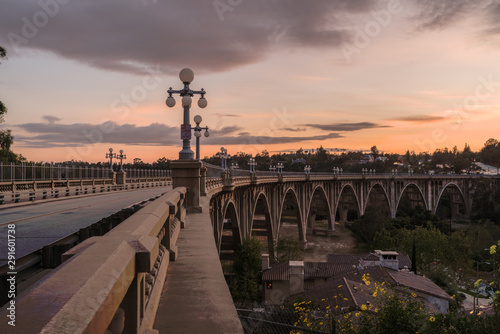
42 223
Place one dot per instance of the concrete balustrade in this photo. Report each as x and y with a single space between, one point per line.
33 190
107 283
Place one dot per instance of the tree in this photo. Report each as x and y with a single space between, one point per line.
288 249
3 108
6 138
247 268
375 152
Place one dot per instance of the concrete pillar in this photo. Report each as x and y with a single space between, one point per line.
296 277
113 177
203 180
186 173
311 222
265 262
343 214
121 178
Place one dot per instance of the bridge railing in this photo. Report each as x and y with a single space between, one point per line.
33 190
112 282
41 172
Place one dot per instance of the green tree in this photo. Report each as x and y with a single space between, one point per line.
288 249
247 270
6 138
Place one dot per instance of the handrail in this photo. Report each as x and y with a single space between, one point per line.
107 282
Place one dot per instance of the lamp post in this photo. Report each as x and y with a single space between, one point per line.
272 168
252 163
307 169
197 133
223 158
110 156
121 157
186 75
280 166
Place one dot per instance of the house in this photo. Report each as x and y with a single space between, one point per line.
349 291
387 259
341 282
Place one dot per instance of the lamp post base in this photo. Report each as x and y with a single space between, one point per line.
186 154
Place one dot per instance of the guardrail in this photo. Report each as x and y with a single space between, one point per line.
15 192
109 283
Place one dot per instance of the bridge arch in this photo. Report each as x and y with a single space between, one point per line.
229 236
457 201
346 201
411 195
261 224
315 208
378 191
290 214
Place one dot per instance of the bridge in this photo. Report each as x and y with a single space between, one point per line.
159 270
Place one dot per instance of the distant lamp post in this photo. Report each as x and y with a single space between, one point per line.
272 168
336 170
223 158
307 169
197 133
186 75
121 156
110 156
252 163
280 166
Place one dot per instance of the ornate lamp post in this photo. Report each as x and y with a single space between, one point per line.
307 169
279 166
110 156
223 157
272 168
197 133
186 75
252 163
121 156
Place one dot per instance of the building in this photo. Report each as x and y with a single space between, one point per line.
341 282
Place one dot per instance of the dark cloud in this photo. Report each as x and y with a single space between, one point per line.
295 129
51 119
61 135
420 119
227 130
266 140
492 18
130 35
49 135
227 115
438 14
341 127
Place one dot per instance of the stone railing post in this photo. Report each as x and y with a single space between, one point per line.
121 178
186 173
203 181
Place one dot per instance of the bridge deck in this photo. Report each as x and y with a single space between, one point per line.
195 297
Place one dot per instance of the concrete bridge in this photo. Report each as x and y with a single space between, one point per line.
159 270
260 206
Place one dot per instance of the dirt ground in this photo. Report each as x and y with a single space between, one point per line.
320 245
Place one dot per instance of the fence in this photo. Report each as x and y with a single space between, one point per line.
275 320
42 172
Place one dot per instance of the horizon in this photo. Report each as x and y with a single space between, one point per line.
81 77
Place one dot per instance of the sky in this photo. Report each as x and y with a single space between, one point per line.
83 76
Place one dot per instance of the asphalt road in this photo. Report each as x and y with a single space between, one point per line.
45 222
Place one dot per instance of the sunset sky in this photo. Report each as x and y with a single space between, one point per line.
83 76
